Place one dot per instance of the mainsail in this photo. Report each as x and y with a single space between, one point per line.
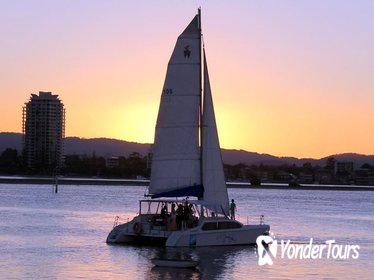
176 152
181 166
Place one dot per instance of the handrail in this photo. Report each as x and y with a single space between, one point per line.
116 219
262 219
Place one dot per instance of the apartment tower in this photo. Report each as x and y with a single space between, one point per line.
43 127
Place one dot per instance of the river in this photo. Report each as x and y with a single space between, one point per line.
44 235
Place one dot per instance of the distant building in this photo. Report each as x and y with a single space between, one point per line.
306 178
362 176
324 176
43 127
283 176
112 162
344 168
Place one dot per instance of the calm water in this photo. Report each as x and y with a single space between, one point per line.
44 235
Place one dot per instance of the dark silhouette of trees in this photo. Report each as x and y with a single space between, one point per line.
136 165
11 162
83 165
330 165
128 167
255 174
133 166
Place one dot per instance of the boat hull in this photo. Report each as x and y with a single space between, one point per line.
194 237
246 235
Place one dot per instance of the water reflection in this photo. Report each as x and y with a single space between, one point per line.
214 262
174 273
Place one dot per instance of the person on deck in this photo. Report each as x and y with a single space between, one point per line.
232 209
186 214
179 216
172 225
191 216
164 212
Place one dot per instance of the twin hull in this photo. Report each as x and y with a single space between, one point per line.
193 237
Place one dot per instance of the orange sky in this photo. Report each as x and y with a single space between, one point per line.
289 78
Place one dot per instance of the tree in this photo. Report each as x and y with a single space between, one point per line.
11 162
330 165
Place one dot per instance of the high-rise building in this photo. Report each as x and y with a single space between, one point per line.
43 127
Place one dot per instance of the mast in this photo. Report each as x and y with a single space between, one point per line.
201 101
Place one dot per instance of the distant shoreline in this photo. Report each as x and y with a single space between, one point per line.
139 182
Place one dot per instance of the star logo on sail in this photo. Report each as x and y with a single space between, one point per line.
187 51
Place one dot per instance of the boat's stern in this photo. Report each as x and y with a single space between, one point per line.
124 233
138 231
116 235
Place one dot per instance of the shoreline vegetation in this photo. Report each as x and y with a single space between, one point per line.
332 172
144 182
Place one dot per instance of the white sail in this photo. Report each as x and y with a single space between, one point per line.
176 154
214 182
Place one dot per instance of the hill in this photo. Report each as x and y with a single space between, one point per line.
113 147
103 147
81 146
10 140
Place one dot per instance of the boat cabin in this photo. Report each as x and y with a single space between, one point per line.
155 207
181 214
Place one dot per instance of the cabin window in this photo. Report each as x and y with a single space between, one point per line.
227 225
221 225
209 226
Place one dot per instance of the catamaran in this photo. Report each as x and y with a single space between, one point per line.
186 162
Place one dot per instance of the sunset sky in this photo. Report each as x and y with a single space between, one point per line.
289 78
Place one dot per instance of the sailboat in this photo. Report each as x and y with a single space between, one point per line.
186 162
